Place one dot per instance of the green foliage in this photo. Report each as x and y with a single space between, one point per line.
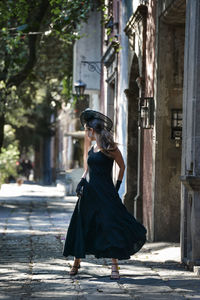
54 67
9 136
66 15
8 158
36 47
67 88
24 24
14 109
17 9
42 29
107 22
9 155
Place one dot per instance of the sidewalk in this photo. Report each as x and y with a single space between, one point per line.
33 224
163 276
153 273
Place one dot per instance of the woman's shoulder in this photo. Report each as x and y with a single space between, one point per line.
115 152
90 148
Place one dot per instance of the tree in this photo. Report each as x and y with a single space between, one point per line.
23 25
43 92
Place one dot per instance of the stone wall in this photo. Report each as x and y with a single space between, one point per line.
168 156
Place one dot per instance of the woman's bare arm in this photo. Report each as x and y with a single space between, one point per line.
85 173
117 156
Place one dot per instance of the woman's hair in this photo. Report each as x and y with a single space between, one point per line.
105 137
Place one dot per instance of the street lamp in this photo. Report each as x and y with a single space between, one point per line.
79 88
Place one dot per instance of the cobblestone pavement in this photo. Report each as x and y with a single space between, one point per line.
33 223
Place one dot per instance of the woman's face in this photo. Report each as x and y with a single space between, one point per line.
89 133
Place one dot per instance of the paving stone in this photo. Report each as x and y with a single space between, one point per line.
159 296
108 297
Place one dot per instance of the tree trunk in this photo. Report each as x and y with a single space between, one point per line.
2 123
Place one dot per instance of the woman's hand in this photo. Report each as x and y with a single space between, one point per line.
79 186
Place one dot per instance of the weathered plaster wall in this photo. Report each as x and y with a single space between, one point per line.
88 48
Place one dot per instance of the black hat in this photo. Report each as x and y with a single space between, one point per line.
89 114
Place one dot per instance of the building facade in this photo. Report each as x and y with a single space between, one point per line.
150 88
190 171
145 63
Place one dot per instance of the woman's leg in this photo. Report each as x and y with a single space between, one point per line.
75 267
115 269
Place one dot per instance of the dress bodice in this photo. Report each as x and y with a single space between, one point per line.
100 166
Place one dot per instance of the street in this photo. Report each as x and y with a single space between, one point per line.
33 224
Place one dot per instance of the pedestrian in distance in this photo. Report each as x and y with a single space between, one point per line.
100 224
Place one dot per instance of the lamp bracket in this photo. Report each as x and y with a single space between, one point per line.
93 66
146 112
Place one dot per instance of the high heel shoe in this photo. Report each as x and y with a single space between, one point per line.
115 272
74 270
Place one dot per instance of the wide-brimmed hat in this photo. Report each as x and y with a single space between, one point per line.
90 114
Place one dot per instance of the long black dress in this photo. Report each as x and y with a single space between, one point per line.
101 224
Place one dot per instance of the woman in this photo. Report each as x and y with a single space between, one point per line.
100 224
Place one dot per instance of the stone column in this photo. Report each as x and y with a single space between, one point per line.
190 218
